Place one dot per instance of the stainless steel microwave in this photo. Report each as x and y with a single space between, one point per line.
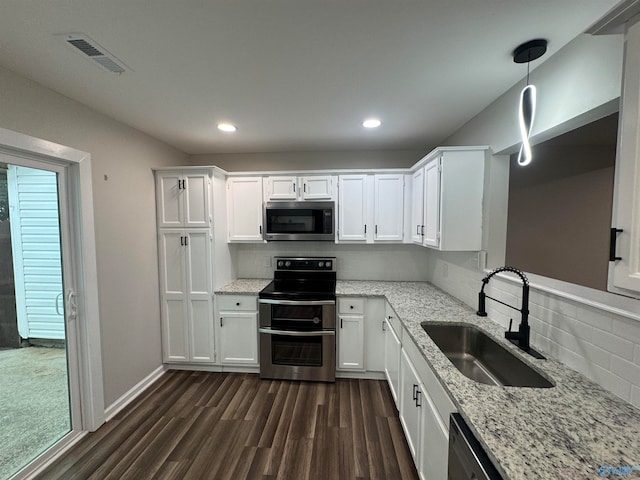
299 221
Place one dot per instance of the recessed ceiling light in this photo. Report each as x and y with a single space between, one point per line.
371 123
227 127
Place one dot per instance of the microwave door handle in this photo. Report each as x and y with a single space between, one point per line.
292 333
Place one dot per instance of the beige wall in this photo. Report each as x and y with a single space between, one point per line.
560 213
244 162
124 218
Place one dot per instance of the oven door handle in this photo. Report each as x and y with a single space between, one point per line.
297 302
291 333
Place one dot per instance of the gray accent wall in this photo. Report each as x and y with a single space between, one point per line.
125 219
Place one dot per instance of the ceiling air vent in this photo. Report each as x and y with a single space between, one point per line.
90 49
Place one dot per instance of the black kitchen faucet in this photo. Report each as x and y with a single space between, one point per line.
521 337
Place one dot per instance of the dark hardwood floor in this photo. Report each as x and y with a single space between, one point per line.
234 426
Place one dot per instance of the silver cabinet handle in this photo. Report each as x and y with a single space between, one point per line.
221 321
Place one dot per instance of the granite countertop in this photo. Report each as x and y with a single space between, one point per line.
244 286
565 432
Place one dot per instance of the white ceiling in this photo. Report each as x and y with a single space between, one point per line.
291 74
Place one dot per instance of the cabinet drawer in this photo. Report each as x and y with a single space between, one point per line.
237 302
351 305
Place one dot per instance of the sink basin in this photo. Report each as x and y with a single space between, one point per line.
480 358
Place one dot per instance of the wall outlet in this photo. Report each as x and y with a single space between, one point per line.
266 262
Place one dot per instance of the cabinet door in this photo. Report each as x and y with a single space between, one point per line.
282 188
417 205
375 330
175 336
409 399
624 274
169 199
434 444
389 207
392 361
200 305
196 199
352 207
244 204
432 203
351 342
317 188
239 338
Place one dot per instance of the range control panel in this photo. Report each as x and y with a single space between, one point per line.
306 264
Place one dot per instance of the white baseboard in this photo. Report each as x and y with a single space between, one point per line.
113 409
363 375
213 368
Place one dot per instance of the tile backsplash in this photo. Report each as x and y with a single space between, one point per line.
354 262
601 345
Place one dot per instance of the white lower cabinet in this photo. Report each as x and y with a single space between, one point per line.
410 410
360 334
434 443
424 410
351 333
237 326
392 349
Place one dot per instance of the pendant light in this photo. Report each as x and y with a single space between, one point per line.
526 53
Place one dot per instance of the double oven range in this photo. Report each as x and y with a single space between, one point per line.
298 320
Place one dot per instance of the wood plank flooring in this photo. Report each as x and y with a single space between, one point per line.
199 425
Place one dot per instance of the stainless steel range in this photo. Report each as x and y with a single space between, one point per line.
298 320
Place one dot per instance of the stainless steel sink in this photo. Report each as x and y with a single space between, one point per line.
480 358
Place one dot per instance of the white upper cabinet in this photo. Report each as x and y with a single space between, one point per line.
431 206
282 188
371 208
294 188
183 198
244 204
389 207
447 191
624 271
317 187
352 206
417 205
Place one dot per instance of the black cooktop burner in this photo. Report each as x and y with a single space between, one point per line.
292 284
300 290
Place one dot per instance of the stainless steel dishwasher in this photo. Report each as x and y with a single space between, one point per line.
467 459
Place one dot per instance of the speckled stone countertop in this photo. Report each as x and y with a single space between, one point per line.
244 286
565 432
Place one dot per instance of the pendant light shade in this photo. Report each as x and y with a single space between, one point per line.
526 114
526 53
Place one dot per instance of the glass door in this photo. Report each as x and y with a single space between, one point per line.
38 379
